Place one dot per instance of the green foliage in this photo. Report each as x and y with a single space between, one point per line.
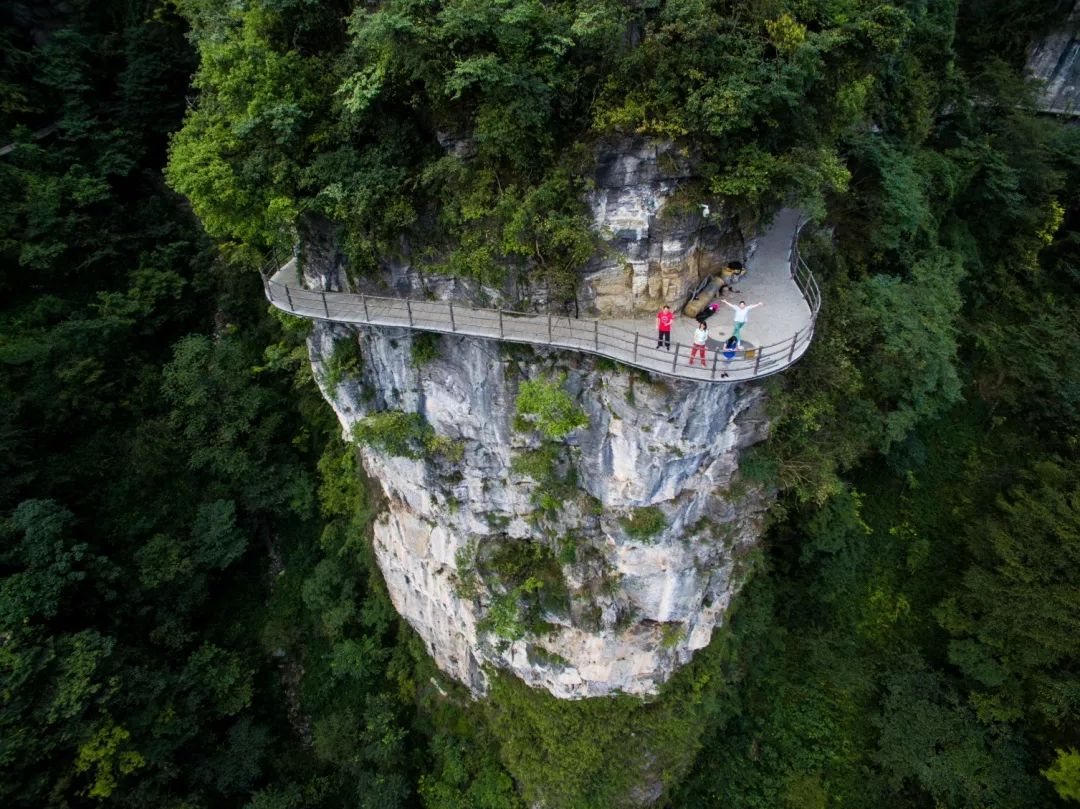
544 403
425 348
598 752
467 582
1064 774
103 755
407 435
542 657
393 432
503 618
237 156
672 635
448 448
189 618
540 464
551 227
644 523
465 771
528 584
344 362
1012 619
928 742
786 33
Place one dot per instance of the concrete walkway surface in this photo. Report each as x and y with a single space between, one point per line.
776 334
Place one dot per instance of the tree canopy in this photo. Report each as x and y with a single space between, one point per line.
189 612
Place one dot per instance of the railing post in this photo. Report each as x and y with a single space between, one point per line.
757 361
453 326
289 296
326 309
500 325
596 333
363 300
675 358
549 328
715 357
409 307
269 288
637 336
794 340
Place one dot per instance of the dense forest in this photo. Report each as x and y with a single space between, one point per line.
190 615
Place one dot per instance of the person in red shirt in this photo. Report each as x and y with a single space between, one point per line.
663 327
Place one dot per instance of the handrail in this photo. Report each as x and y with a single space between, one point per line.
578 334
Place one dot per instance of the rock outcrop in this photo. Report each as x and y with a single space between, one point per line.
590 566
1054 60
654 251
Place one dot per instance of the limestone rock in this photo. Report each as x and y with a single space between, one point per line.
629 606
1054 60
655 253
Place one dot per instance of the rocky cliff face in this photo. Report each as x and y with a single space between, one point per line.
1054 60
654 250
590 566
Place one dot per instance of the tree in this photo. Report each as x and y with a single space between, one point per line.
1014 621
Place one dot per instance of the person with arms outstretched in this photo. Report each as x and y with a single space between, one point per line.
742 312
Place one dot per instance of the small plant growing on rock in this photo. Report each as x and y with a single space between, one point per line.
529 582
644 523
538 464
450 449
393 432
343 363
671 634
503 617
467 584
425 348
567 550
539 656
406 435
544 404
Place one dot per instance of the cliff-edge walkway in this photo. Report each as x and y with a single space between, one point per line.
776 336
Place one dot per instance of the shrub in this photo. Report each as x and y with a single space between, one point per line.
644 523
467 583
447 447
568 550
545 404
343 363
393 432
671 634
425 348
533 584
406 435
539 656
538 464
503 616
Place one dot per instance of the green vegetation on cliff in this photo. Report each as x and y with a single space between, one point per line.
189 614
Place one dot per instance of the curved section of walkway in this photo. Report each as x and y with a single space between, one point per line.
776 275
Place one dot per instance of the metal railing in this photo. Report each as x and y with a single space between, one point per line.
578 334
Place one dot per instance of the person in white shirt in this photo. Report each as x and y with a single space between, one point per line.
742 312
701 337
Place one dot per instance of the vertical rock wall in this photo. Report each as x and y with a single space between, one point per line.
635 526
654 251
1054 61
